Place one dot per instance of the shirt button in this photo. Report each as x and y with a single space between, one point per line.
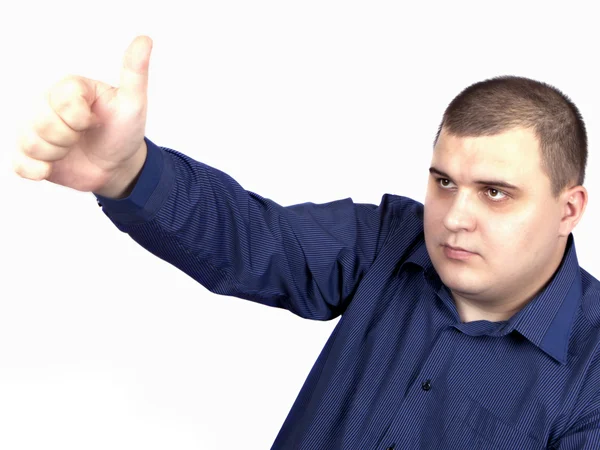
426 385
391 447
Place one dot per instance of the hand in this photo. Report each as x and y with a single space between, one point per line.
87 135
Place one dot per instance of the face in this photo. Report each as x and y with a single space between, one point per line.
489 196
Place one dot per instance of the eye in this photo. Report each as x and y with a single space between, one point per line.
444 183
495 194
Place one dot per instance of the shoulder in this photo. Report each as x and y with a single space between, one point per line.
404 210
590 302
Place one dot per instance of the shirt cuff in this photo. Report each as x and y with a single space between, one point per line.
149 194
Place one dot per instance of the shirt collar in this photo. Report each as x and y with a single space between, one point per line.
547 320
419 255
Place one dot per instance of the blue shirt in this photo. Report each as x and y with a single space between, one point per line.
399 370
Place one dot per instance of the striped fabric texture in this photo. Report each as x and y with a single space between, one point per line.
400 370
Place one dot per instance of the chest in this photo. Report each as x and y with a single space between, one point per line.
432 386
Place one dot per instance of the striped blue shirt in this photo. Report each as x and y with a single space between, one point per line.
400 370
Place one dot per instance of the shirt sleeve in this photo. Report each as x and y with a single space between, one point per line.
307 258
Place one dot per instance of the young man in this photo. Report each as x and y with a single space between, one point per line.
465 322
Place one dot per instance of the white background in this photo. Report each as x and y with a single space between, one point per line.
103 345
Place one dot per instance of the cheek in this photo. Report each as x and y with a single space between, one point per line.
515 235
435 211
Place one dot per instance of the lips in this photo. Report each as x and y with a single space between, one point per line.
457 253
451 247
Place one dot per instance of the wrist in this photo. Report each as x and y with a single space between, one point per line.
123 182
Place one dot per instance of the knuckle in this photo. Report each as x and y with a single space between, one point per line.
35 147
56 133
70 86
29 168
17 166
67 99
27 144
63 93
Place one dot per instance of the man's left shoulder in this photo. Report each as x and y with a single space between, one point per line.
590 301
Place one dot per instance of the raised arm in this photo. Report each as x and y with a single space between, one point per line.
307 258
89 136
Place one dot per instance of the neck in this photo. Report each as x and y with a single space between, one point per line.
503 305
470 310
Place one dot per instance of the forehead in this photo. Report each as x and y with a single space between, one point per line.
513 156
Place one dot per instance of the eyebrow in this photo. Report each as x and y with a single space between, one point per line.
498 183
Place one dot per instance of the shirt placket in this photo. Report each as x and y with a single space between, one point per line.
420 410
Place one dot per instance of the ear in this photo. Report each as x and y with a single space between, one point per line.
573 201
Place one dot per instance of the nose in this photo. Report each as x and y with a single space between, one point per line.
460 216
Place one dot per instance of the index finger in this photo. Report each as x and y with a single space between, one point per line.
71 99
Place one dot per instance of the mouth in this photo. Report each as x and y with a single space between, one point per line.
458 253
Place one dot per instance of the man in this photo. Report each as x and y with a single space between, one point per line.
466 323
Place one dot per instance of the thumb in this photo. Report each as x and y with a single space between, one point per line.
134 73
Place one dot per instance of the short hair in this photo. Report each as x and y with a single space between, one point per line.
499 104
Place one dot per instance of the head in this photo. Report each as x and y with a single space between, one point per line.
505 184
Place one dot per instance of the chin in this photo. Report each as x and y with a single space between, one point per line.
462 280
465 290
